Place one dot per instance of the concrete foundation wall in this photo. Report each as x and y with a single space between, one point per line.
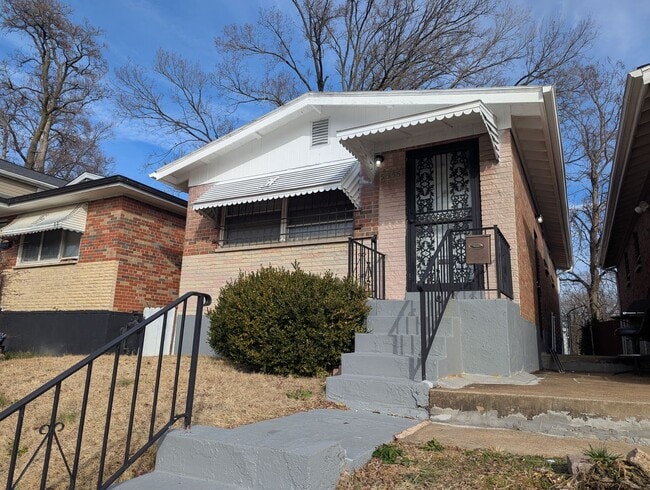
494 339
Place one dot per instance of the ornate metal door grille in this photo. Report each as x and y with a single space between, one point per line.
442 193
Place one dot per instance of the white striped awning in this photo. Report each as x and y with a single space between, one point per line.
71 218
363 141
344 176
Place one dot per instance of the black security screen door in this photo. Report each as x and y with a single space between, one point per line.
442 192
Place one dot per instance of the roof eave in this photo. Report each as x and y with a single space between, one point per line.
550 107
636 87
92 190
310 101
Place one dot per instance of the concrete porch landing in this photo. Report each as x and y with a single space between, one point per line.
598 406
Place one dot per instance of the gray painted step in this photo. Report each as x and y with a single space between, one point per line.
393 307
302 451
396 396
390 366
162 480
407 345
392 324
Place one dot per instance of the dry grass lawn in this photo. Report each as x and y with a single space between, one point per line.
224 397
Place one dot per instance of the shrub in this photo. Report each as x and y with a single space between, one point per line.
282 321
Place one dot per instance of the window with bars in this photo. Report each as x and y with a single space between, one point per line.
320 215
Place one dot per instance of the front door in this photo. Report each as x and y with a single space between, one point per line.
442 192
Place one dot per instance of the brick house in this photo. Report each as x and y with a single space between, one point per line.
626 236
79 260
404 166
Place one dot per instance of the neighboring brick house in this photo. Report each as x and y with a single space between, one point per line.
81 259
405 166
626 236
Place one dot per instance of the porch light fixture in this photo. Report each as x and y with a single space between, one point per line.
379 159
540 219
642 207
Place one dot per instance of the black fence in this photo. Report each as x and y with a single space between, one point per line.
452 268
367 266
50 444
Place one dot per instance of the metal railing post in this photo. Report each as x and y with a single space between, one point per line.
194 361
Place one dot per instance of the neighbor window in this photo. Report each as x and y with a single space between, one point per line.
50 246
319 215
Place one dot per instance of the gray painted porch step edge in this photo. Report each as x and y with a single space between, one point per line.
161 480
391 396
398 344
383 365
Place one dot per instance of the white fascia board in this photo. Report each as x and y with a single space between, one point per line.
313 101
558 170
636 87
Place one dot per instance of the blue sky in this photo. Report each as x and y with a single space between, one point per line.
135 29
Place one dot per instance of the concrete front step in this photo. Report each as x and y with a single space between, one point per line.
394 307
302 451
162 480
394 396
387 365
391 324
407 345
574 415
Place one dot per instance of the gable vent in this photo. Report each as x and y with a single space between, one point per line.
319 132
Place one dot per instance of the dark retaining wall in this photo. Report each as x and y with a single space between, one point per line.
61 332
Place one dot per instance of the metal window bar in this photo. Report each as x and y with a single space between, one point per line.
264 230
366 265
53 432
440 280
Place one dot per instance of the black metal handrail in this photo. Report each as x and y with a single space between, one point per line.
366 265
446 274
132 338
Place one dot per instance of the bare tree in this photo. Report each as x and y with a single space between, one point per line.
590 126
352 45
47 89
186 106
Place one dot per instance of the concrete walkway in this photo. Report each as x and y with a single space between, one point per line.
307 450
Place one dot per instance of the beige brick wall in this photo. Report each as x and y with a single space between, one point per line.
392 222
89 286
207 273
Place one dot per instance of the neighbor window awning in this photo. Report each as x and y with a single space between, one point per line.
344 176
427 127
71 218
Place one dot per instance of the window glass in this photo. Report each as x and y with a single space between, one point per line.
51 244
71 244
31 247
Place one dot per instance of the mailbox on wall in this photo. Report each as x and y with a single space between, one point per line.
477 249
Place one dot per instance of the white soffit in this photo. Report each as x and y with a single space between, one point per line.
360 143
344 176
71 218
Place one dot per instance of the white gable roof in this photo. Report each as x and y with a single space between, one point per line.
269 144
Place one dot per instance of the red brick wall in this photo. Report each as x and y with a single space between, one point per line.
129 258
638 286
201 232
148 242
